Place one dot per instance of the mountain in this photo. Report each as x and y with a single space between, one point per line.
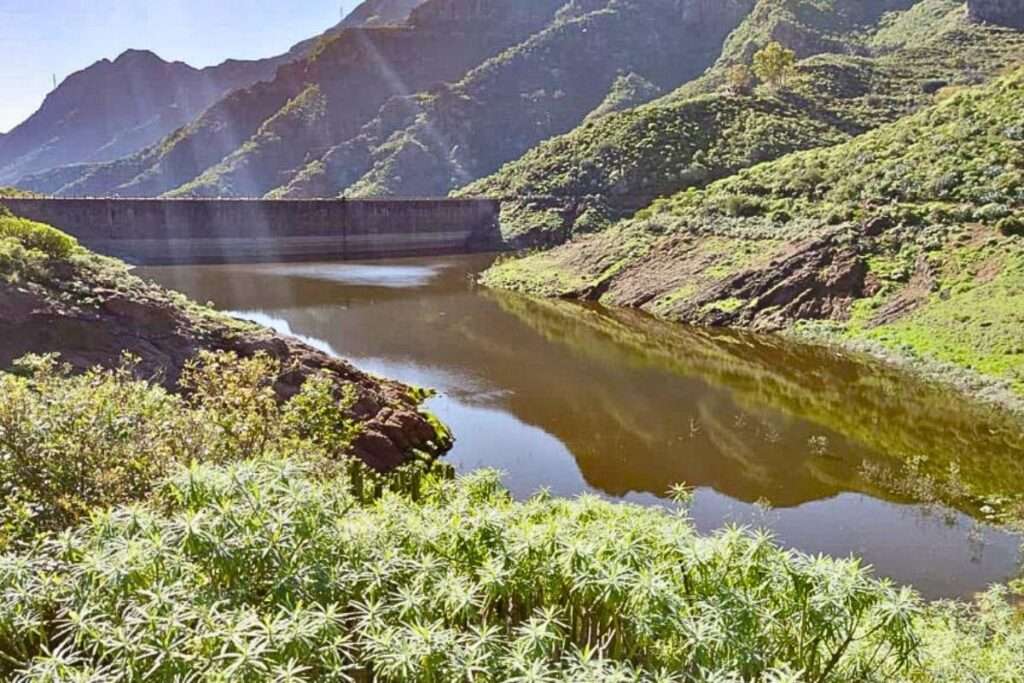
544 86
907 240
379 12
587 109
248 142
876 67
115 108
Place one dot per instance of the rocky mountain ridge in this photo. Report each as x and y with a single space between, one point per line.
114 108
258 133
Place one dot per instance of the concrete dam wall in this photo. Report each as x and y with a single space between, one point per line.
159 231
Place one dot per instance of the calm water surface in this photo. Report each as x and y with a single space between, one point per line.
579 399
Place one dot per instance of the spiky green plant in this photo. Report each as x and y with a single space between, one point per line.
264 570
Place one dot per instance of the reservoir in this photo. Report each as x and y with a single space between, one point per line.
835 453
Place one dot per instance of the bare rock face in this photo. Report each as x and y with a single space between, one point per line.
1002 12
91 321
816 279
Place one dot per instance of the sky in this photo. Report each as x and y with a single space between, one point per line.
43 38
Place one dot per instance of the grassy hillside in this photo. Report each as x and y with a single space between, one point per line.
908 238
627 159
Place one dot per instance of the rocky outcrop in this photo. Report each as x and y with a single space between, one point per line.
93 312
1002 12
816 279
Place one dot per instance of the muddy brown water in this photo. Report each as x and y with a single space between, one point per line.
580 399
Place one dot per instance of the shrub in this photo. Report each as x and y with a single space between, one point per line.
740 205
740 79
992 212
37 236
71 444
949 92
775 64
1012 226
945 184
260 568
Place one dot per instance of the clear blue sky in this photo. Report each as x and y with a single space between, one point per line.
40 38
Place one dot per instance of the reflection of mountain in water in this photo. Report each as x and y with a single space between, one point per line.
875 407
640 404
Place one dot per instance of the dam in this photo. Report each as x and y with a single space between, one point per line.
182 231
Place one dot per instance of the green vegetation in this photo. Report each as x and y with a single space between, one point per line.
629 90
26 245
775 64
114 437
264 555
35 237
914 225
592 59
859 69
221 534
17 193
281 140
740 79
51 265
227 533
955 162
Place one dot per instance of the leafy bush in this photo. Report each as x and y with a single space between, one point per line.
286 566
71 444
35 236
775 64
1012 226
740 79
992 212
261 569
984 642
738 205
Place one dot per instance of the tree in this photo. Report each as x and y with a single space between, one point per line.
740 79
775 64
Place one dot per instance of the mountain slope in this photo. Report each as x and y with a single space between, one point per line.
544 86
909 238
114 108
379 12
443 40
610 167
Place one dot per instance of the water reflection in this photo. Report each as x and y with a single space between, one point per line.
582 399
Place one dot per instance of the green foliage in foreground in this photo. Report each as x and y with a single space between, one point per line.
292 566
259 569
24 242
70 444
